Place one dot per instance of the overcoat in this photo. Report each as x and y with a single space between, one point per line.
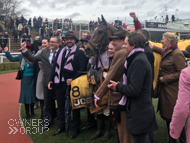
115 73
140 114
171 64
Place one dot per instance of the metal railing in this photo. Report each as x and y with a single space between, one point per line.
71 26
179 35
2 56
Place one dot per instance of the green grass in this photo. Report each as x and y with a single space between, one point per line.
160 136
9 71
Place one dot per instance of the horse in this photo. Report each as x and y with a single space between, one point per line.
100 38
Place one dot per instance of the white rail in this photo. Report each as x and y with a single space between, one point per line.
2 55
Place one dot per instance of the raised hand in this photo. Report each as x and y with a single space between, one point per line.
133 15
6 49
59 31
23 46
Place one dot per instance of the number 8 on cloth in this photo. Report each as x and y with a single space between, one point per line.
81 93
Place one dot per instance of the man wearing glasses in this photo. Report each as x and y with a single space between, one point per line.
47 57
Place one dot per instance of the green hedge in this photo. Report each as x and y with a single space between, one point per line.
9 66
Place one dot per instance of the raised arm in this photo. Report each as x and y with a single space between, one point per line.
28 56
10 57
137 24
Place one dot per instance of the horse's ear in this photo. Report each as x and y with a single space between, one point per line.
99 20
103 20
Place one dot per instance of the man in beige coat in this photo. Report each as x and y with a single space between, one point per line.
116 73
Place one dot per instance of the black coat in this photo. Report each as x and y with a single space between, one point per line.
140 115
79 64
150 57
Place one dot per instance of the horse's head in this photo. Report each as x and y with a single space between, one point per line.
100 38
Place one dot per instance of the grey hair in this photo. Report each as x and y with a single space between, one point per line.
145 33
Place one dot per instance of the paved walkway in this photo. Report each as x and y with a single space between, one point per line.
10 127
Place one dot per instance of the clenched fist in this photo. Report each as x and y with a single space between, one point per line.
6 49
133 15
23 46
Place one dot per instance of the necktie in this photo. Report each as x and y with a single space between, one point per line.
53 58
68 53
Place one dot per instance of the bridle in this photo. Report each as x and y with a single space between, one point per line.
98 46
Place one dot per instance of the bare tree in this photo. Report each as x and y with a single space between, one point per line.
11 7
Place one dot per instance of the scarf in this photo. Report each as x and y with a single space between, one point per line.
68 64
104 58
124 97
22 64
166 49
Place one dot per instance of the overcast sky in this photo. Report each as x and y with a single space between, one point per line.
111 9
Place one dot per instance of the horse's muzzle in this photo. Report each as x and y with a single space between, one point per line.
89 51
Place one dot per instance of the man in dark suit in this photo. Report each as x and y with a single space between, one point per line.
69 61
47 57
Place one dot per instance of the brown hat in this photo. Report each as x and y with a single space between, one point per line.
71 34
188 49
120 33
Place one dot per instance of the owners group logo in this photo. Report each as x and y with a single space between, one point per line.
32 126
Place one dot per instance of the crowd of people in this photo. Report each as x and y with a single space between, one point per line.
50 66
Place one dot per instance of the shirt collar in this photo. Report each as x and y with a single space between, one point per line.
69 48
56 50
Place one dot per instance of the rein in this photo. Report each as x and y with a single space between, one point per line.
99 45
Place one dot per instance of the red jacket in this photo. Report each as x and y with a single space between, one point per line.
137 24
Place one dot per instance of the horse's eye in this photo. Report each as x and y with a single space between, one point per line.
100 32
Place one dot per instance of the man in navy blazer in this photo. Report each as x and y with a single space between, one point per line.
69 61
